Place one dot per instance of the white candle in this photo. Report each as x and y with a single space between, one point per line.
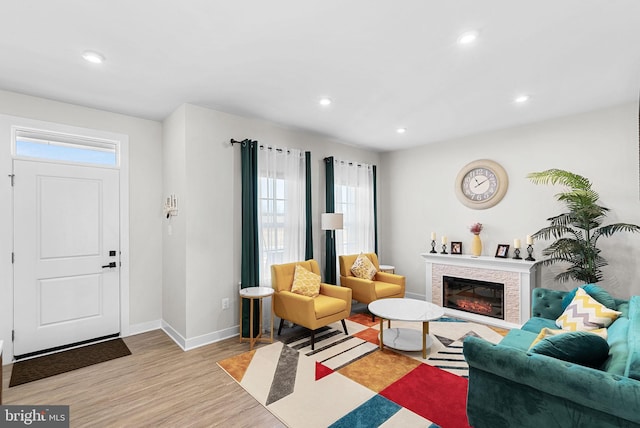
516 243
529 240
444 240
433 236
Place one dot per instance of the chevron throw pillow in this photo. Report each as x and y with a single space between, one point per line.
585 313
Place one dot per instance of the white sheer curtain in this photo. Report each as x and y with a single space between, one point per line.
281 208
353 183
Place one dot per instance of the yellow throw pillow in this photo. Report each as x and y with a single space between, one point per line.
548 332
305 282
363 268
586 313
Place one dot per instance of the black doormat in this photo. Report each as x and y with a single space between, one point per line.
61 362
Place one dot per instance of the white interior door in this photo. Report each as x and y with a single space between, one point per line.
66 247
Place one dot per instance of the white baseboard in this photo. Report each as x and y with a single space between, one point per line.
174 335
184 343
414 296
209 338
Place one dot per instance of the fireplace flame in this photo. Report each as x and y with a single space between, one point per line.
475 306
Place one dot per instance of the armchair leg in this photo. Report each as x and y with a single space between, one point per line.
280 327
344 325
312 339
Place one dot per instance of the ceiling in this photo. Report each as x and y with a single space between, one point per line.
384 64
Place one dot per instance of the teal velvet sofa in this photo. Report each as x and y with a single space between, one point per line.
510 386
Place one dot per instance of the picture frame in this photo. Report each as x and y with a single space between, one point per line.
456 247
502 251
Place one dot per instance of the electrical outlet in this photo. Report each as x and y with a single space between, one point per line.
225 303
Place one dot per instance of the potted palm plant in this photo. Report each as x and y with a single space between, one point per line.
577 231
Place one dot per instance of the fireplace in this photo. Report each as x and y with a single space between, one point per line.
519 278
470 295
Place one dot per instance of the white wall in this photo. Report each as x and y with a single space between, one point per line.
417 187
174 257
145 151
212 209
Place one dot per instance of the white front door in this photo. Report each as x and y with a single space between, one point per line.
66 248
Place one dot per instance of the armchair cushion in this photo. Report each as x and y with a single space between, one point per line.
305 282
363 268
325 306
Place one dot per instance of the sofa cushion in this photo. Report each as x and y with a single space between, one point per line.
600 294
363 268
578 347
617 337
518 338
632 369
548 332
305 282
536 324
586 313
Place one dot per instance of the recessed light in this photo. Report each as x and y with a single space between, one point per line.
522 98
93 57
467 37
401 130
325 101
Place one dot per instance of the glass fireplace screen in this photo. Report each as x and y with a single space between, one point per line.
470 295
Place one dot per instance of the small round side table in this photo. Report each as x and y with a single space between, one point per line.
387 268
255 293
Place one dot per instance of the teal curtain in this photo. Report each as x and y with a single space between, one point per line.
308 251
330 206
250 249
375 209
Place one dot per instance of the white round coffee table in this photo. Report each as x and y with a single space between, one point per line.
405 339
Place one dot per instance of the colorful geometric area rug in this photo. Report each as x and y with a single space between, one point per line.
348 382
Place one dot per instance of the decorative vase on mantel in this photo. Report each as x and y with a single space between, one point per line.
476 243
476 246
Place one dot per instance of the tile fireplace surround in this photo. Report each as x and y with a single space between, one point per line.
518 276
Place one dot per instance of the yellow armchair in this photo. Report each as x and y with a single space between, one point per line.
331 305
383 284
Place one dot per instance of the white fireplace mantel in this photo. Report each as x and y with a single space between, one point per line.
519 277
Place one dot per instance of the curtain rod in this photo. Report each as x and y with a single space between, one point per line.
359 165
260 146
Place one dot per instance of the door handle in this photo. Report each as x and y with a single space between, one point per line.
110 265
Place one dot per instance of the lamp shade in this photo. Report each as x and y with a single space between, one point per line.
331 221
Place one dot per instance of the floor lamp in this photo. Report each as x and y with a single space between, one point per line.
331 222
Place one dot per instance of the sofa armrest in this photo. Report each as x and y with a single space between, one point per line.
546 303
543 387
391 278
342 293
293 307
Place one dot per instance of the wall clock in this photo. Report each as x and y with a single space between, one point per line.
481 184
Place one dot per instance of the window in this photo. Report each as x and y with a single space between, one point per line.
63 147
353 187
272 215
281 208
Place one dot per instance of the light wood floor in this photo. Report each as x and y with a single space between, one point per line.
159 385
